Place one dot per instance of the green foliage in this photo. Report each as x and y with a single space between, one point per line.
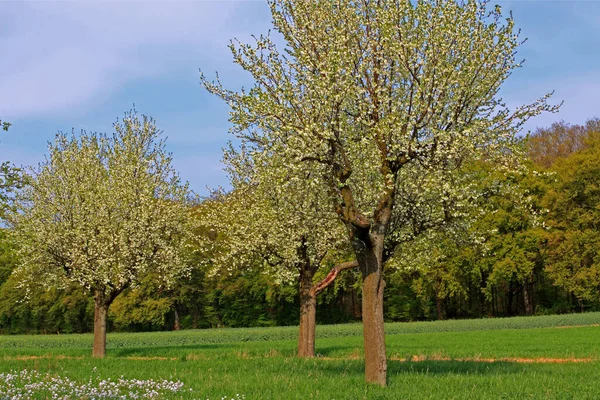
401 303
534 232
11 179
139 310
8 260
515 236
46 311
546 146
574 203
5 125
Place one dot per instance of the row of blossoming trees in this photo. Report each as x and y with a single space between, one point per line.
373 137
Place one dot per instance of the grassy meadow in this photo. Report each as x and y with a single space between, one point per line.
553 357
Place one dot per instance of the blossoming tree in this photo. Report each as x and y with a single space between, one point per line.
368 90
103 212
269 221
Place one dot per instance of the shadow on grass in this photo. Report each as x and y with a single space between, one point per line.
167 351
215 350
341 351
454 367
433 367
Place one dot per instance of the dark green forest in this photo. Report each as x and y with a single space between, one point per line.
534 257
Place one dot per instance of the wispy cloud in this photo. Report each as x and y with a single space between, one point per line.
62 55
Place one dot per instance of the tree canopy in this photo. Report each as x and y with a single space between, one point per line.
101 213
396 87
574 205
548 145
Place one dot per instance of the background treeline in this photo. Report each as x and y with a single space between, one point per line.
535 251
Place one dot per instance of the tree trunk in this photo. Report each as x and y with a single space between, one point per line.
100 312
356 307
367 238
527 299
308 304
371 265
176 323
308 314
439 308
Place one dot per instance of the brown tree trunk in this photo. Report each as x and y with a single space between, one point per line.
308 304
527 299
356 306
371 265
439 308
176 323
308 314
100 311
367 237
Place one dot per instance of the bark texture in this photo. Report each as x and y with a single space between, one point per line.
308 314
370 261
100 312
527 299
440 308
308 305
177 322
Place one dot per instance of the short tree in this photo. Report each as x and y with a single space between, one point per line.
369 89
103 212
269 222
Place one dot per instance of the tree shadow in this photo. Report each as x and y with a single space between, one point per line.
351 352
437 367
164 351
199 351
350 366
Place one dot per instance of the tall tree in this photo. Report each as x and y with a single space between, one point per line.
574 204
103 212
514 235
546 146
367 90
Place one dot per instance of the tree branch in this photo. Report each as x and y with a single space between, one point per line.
319 287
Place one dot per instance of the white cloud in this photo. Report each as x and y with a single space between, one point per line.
58 56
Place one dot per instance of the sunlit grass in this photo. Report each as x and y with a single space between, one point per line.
427 361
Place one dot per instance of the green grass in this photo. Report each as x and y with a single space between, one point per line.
260 363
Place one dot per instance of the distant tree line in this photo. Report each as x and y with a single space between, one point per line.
534 250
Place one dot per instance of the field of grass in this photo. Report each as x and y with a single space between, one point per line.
556 357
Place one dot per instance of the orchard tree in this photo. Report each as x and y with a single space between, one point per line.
367 90
270 222
103 212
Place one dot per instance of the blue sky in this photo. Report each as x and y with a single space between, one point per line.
81 65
